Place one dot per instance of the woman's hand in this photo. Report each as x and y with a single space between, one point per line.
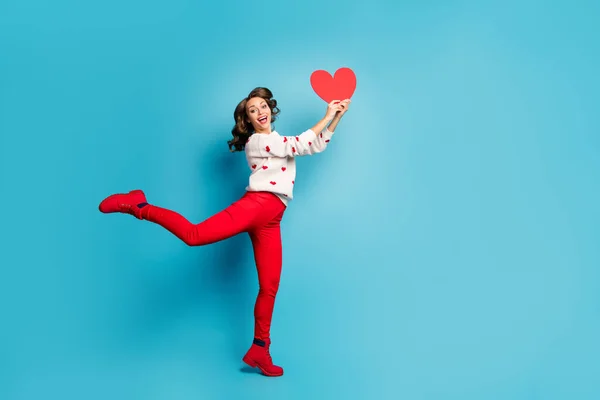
344 105
332 109
335 110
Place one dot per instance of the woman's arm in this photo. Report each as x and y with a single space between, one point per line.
271 145
334 123
338 116
309 142
322 124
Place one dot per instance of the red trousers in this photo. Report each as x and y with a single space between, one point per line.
256 213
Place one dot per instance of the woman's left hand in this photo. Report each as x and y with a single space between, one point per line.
344 105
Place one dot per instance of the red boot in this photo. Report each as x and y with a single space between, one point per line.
259 356
128 203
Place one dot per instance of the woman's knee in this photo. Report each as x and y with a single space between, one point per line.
269 286
192 238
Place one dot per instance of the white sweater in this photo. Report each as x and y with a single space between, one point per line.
272 163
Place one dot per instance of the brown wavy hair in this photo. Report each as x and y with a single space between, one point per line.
243 129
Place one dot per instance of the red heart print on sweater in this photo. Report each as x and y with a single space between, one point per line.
284 139
267 148
254 166
264 167
283 168
340 86
273 183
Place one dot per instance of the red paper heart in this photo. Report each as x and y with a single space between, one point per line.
340 86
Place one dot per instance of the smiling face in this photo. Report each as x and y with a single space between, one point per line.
259 114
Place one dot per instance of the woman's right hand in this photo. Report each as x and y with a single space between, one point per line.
332 108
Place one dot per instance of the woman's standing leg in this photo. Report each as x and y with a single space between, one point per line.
268 258
266 241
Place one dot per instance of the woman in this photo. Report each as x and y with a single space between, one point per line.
271 159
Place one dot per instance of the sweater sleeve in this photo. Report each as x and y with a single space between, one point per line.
305 144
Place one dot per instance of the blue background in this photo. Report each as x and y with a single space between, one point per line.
444 247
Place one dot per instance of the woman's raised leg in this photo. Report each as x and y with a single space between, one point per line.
234 219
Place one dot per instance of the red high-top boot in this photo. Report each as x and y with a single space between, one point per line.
127 203
259 356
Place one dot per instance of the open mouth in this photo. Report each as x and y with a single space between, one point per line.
263 120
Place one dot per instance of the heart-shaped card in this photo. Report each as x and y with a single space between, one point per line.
340 86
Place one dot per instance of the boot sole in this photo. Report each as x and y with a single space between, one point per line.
254 364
